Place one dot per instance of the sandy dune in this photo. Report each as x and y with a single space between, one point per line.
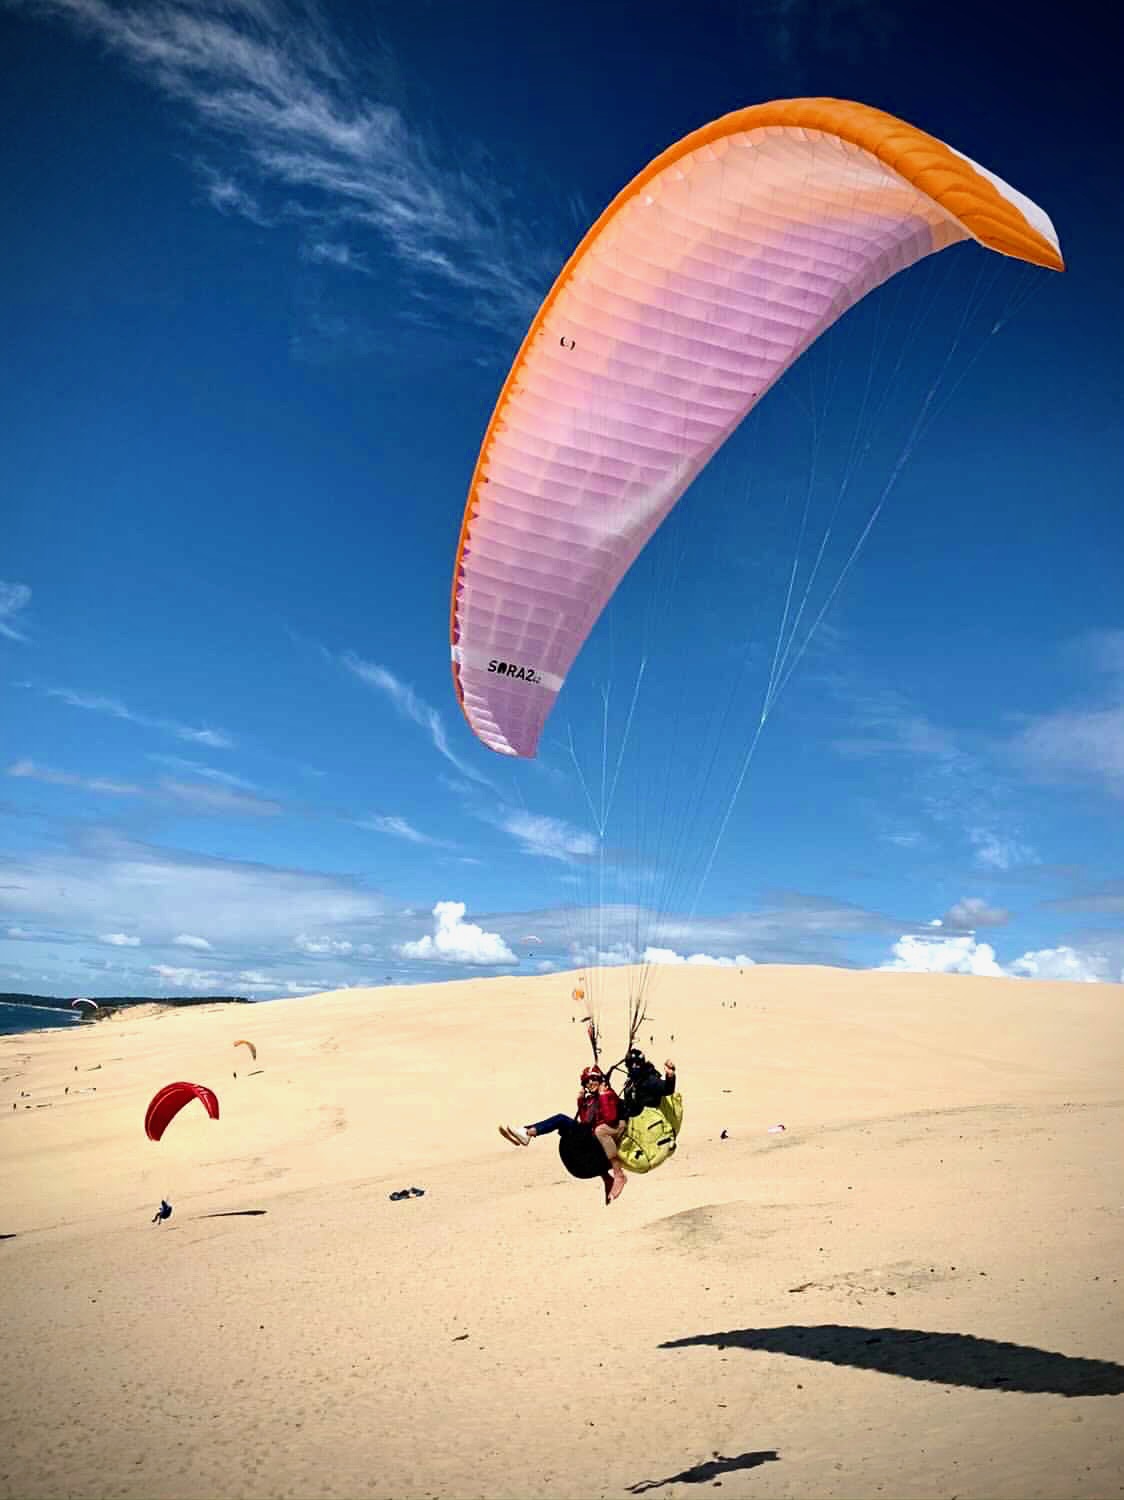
916 1290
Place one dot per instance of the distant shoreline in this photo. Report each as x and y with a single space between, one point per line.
119 1002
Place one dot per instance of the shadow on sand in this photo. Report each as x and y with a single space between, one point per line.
944 1358
237 1213
708 1472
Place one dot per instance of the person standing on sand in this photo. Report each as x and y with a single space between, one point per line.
598 1116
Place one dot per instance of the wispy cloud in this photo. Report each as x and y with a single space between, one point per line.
200 797
973 912
220 800
995 851
173 977
546 837
954 786
1080 743
1085 741
30 770
208 773
455 941
1103 900
410 706
334 253
14 598
107 883
229 197
273 83
187 940
399 828
793 927
341 947
119 940
886 724
214 739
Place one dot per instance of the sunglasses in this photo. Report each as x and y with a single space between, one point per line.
594 1078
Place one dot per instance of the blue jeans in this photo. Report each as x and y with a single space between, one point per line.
561 1123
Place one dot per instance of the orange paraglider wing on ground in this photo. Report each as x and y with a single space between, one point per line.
166 1105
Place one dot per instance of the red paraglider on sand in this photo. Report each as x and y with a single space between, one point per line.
167 1104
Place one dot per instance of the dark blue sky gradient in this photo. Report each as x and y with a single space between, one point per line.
229 464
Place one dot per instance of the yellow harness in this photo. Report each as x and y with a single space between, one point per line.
651 1135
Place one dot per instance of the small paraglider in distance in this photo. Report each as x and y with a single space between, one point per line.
166 1105
253 1050
530 938
93 1004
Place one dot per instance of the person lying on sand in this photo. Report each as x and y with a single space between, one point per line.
598 1114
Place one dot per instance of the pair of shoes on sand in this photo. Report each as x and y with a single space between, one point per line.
516 1136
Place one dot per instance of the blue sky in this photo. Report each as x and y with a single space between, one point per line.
265 268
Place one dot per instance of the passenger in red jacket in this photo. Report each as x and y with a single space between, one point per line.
596 1123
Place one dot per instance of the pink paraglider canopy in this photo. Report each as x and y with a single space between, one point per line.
696 289
166 1105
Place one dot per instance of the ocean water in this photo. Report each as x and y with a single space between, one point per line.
17 1018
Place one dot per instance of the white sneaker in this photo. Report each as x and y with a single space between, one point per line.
515 1136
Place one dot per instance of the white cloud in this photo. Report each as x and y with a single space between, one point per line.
215 739
200 980
30 771
333 253
119 940
1085 742
456 941
548 838
288 99
208 773
108 883
952 955
1106 899
230 197
1062 963
973 912
322 945
19 934
410 706
14 597
1088 743
546 965
669 956
242 982
220 800
397 828
890 727
964 955
995 852
185 940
